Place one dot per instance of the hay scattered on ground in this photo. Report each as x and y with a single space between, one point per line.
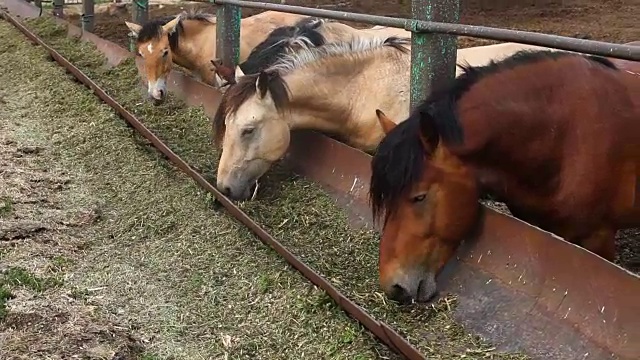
120 256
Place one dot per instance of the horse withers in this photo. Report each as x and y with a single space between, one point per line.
189 40
555 135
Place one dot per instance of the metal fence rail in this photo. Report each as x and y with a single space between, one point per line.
433 46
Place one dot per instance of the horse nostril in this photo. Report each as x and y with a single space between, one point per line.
399 293
161 93
226 190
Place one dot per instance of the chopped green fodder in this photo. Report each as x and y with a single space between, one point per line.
293 209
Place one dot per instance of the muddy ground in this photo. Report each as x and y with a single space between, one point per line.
610 20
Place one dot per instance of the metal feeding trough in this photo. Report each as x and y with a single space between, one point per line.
518 286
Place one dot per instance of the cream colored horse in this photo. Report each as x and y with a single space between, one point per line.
310 32
331 89
189 40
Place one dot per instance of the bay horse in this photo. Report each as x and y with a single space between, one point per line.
256 115
554 135
189 40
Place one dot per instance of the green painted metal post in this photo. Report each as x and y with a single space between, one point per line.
228 30
87 15
140 16
58 6
433 56
140 11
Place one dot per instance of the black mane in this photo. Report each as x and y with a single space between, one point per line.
279 40
399 159
152 30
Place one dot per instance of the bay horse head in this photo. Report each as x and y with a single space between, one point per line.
427 198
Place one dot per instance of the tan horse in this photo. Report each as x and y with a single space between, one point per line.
308 32
327 89
189 40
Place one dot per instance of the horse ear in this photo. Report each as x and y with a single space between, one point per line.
135 28
170 27
386 123
224 72
262 84
428 132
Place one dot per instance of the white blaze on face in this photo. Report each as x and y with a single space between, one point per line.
150 48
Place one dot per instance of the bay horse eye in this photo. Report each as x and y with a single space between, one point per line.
165 53
247 131
419 198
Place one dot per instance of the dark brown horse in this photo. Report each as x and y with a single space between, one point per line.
554 135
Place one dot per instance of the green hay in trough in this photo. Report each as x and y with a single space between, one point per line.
293 209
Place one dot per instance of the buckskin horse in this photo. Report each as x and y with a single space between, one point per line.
555 135
256 115
306 33
189 40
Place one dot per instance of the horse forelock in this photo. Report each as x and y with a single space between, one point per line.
397 165
152 30
238 93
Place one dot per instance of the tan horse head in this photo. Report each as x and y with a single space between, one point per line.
327 88
189 40
157 43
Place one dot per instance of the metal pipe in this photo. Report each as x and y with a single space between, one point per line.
601 48
228 30
88 7
433 56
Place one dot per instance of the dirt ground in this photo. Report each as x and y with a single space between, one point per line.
610 20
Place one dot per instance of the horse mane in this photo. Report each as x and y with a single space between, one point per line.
399 159
152 30
304 33
272 80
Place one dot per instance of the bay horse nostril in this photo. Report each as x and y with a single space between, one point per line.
226 191
399 294
161 93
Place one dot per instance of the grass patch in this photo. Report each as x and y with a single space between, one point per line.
294 210
6 206
5 295
16 276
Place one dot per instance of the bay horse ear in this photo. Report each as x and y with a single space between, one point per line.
135 28
386 123
171 26
224 72
429 135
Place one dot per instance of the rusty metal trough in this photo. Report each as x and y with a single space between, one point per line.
519 287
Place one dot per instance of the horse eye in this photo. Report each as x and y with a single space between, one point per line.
419 198
165 53
247 131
